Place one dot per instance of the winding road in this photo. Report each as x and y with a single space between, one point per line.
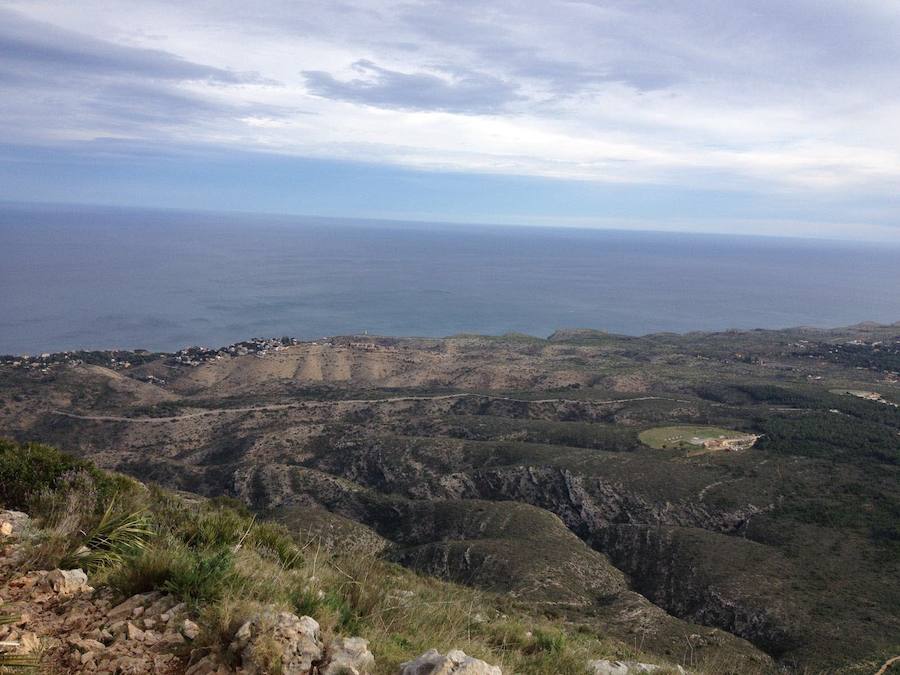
396 399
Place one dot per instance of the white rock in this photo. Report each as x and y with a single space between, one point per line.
606 667
455 662
295 639
133 632
189 629
12 522
67 582
348 656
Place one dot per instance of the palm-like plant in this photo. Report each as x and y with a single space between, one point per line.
115 536
15 662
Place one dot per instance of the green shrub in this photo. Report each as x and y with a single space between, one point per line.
16 663
27 470
550 641
201 575
111 540
273 541
30 470
219 527
149 570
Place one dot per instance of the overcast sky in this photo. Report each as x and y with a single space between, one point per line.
757 116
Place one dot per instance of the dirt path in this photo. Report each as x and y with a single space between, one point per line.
887 665
396 399
702 494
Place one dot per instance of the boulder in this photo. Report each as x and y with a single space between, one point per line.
348 656
68 582
455 662
278 637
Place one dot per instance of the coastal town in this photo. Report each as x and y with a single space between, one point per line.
122 359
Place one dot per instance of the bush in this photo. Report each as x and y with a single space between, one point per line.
200 575
110 541
149 570
550 641
273 541
30 469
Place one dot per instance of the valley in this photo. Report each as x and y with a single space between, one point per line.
704 495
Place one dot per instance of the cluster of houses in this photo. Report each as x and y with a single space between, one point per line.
190 356
194 356
119 360
45 362
42 362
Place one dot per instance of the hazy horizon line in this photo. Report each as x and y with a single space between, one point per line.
538 223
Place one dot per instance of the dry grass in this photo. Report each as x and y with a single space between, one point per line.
229 566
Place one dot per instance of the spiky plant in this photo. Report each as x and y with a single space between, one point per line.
15 662
115 536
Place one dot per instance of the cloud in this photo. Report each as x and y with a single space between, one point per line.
37 49
62 84
465 92
762 96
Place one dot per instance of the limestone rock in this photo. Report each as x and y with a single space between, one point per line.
606 667
68 582
12 522
89 645
455 662
189 629
208 665
348 656
278 636
133 632
126 609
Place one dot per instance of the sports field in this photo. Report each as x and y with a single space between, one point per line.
696 438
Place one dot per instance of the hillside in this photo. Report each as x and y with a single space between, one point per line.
514 466
108 575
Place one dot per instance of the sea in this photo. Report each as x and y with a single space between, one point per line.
113 278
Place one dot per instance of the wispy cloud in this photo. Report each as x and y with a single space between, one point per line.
464 92
764 96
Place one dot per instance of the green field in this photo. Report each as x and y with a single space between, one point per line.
684 437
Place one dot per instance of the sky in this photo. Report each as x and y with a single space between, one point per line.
748 116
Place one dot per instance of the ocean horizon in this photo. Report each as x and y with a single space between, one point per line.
117 278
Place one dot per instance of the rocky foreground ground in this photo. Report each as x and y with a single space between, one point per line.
58 623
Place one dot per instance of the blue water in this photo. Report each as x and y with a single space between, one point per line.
73 278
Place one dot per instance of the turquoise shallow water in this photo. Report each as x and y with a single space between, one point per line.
113 278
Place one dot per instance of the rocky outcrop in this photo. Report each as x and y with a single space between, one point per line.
676 568
455 662
348 656
270 638
586 504
293 645
68 582
606 667
457 539
79 630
